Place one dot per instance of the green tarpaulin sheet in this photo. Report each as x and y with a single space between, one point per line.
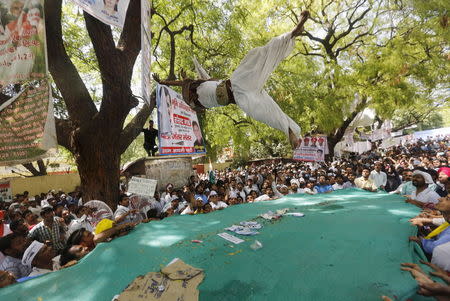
349 246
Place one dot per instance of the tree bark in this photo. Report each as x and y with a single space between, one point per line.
35 172
98 161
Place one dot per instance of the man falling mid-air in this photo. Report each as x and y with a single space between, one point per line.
246 86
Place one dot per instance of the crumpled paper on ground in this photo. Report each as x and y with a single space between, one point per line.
271 215
245 228
176 281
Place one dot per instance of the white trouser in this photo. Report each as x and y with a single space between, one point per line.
248 80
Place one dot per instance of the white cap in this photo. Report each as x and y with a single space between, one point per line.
31 252
212 193
425 175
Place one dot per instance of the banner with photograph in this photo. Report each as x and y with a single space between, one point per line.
22 41
146 49
178 127
27 126
112 12
5 191
312 149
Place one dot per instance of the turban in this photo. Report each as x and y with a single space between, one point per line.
445 170
103 225
425 175
31 252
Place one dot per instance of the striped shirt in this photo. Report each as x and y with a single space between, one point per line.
41 233
15 266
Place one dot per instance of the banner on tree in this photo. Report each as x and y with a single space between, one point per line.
112 12
146 48
312 149
27 126
22 41
178 127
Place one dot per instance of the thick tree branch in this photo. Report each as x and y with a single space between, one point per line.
130 39
77 98
134 128
42 167
30 167
104 47
63 133
339 133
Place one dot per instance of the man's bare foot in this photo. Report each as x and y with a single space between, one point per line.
299 28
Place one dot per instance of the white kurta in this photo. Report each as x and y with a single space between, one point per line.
247 83
207 94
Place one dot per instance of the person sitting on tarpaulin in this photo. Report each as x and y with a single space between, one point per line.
246 86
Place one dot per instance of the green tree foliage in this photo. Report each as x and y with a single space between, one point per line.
392 54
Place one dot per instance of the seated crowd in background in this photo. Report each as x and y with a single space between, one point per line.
54 230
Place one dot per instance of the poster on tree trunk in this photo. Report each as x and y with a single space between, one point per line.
312 149
179 131
146 48
22 41
27 126
112 12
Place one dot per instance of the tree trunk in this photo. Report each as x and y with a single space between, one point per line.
98 161
331 140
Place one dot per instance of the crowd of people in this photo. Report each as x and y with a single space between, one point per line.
54 230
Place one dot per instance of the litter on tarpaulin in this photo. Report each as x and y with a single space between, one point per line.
231 238
246 228
256 245
297 214
251 225
278 214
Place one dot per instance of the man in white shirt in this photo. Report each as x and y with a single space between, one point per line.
378 177
364 182
339 183
194 206
241 192
233 189
351 181
250 186
123 213
422 195
214 201
267 196
82 221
